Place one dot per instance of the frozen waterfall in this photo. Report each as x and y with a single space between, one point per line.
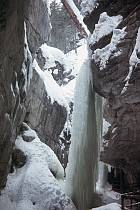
83 157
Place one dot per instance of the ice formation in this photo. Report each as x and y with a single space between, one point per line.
82 167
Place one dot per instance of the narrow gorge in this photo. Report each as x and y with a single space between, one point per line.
69 104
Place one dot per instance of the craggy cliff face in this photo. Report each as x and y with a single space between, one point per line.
15 66
11 59
47 118
116 76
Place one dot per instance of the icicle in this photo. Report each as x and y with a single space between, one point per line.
27 71
101 166
67 123
82 167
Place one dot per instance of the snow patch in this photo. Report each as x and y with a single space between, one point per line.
55 71
106 125
69 91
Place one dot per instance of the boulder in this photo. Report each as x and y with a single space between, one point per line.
18 158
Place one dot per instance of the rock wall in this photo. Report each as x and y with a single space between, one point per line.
15 64
113 8
118 82
38 23
11 59
47 118
47 113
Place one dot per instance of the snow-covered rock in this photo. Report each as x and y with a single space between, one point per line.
53 90
101 56
38 184
55 61
105 26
